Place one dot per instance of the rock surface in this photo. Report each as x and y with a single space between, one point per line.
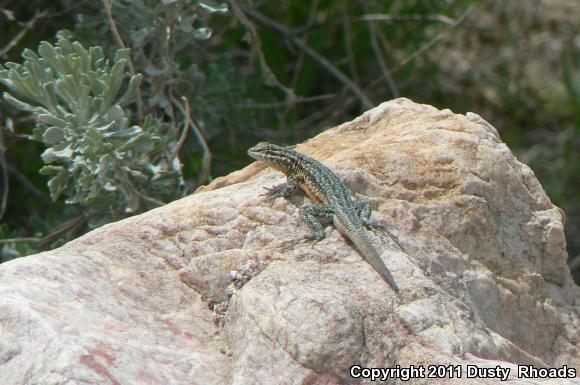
483 274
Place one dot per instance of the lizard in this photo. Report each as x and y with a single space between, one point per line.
332 201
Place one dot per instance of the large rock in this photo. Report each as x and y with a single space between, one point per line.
483 274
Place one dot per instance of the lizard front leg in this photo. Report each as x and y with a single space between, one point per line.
283 190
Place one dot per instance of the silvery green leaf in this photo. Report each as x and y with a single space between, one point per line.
138 175
133 203
11 65
49 94
100 88
83 55
220 8
64 46
131 198
100 63
202 33
110 187
98 108
96 55
64 34
186 24
30 55
104 165
9 124
34 71
132 89
8 14
64 91
51 155
72 88
13 78
37 133
18 103
95 189
88 80
154 170
50 170
57 184
53 135
27 87
48 53
141 143
130 132
117 76
115 113
121 55
50 120
4 79
122 124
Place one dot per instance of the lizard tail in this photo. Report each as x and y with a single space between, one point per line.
372 256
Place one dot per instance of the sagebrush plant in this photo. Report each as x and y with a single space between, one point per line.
196 49
111 126
166 39
96 154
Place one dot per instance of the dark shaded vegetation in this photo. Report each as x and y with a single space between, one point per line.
217 77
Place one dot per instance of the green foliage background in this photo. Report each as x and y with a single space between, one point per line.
217 76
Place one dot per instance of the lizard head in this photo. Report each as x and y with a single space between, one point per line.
280 157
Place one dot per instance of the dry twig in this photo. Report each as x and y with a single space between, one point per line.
391 18
108 4
4 172
298 68
379 17
20 35
185 110
434 41
69 226
20 239
154 202
256 44
321 60
23 181
379 56
348 41
299 99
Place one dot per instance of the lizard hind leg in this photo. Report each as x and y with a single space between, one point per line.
364 210
315 217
